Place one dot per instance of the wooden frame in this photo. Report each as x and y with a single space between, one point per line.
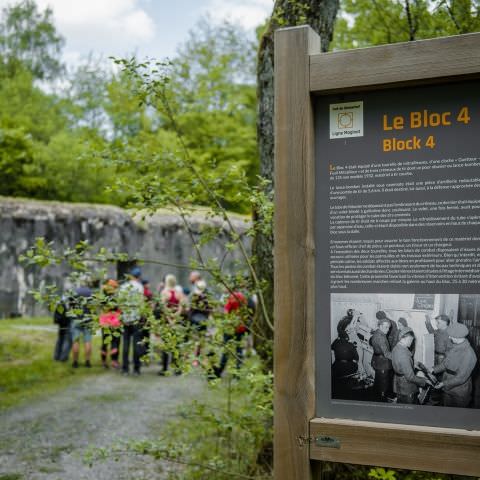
300 72
294 265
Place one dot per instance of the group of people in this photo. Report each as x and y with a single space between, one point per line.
397 376
129 314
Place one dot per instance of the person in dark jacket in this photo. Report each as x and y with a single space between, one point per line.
346 360
200 308
393 330
405 383
441 338
63 344
382 360
345 321
198 314
457 368
403 323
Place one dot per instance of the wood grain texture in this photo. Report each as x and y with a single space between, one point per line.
442 450
294 403
396 64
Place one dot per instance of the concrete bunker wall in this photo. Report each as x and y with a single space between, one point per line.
162 238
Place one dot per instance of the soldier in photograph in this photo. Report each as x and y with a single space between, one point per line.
440 336
405 383
345 321
456 368
393 330
346 359
381 360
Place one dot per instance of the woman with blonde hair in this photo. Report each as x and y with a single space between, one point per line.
173 302
172 295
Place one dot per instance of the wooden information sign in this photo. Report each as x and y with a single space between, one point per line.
377 255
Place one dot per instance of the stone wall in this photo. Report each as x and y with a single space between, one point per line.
161 238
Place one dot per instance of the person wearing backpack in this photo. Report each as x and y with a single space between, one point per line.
131 302
79 310
198 314
173 301
239 309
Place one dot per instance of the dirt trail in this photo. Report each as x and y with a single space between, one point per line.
47 439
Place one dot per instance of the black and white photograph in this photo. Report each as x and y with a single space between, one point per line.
412 349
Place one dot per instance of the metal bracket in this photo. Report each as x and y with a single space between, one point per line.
329 442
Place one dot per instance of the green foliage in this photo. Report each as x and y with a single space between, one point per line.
15 161
214 102
223 433
70 144
71 169
381 474
45 151
130 120
23 105
206 94
29 39
11 476
366 22
338 471
86 96
294 9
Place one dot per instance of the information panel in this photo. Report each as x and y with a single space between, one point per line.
398 255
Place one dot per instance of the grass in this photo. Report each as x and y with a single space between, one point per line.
27 369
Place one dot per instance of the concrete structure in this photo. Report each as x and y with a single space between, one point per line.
161 238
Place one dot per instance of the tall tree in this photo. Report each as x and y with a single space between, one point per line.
320 15
211 95
87 93
214 82
29 37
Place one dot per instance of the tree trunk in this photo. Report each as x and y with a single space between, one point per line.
320 15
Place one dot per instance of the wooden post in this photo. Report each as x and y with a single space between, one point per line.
294 362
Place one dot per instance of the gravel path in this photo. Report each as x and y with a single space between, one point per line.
47 439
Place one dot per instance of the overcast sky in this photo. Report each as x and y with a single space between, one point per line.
152 28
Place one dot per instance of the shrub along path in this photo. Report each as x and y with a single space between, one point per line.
47 438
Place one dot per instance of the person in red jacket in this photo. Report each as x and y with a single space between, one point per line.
110 324
236 304
173 303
